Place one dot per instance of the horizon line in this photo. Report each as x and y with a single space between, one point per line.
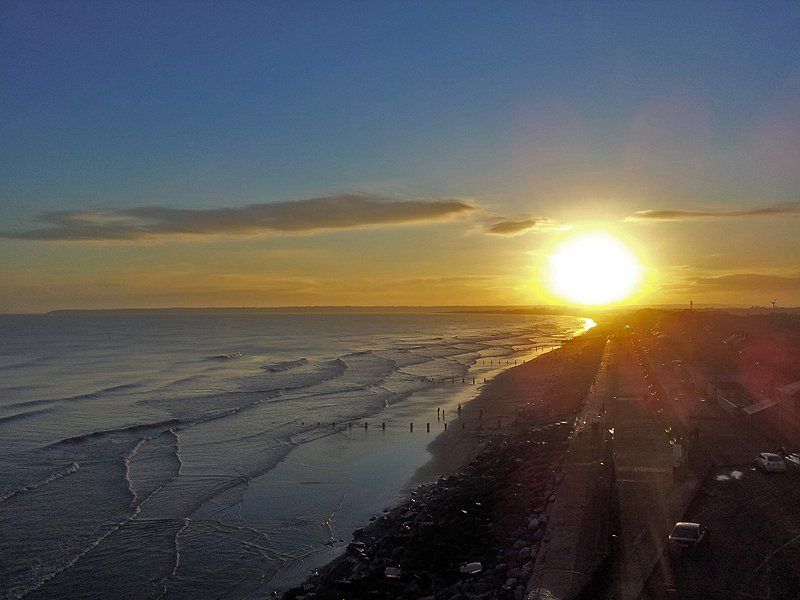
387 307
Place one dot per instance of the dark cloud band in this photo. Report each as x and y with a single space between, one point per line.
748 282
510 228
677 215
345 211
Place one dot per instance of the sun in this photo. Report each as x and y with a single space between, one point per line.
592 269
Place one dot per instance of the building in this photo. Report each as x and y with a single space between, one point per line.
788 397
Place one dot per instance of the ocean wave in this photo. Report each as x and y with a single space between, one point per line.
87 396
25 415
162 426
27 587
140 499
286 365
126 462
54 476
33 362
130 429
229 356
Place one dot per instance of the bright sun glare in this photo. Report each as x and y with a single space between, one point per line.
593 268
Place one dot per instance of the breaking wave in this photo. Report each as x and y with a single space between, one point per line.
54 476
286 365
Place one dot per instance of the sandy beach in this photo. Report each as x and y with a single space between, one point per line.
537 392
498 467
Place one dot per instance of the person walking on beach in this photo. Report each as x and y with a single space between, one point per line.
459 410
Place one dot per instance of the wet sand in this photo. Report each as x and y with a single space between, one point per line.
492 508
537 391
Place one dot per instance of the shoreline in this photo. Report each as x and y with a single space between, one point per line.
394 450
496 404
495 482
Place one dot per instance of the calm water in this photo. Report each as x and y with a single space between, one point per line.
179 456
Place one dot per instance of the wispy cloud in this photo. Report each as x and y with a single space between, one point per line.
677 215
745 282
345 211
510 227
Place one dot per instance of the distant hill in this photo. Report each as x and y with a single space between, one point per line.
508 310
547 310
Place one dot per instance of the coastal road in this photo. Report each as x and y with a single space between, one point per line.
754 517
754 552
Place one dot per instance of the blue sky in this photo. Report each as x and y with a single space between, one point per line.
526 109
203 103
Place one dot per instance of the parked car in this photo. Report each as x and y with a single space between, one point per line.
770 462
688 535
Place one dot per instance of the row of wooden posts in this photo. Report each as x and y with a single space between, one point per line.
410 425
483 362
428 425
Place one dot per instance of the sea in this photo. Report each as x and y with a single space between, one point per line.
209 455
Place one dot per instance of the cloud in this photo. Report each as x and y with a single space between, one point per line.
741 282
345 211
677 215
510 228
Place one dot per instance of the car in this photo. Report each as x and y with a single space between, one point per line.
770 462
689 535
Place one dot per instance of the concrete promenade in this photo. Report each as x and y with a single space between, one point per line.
577 532
643 463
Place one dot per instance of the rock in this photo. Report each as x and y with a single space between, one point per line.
518 545
471 568
511 582
533 523
525 552
392 572
513 573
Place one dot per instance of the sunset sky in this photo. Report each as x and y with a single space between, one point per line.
309 153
